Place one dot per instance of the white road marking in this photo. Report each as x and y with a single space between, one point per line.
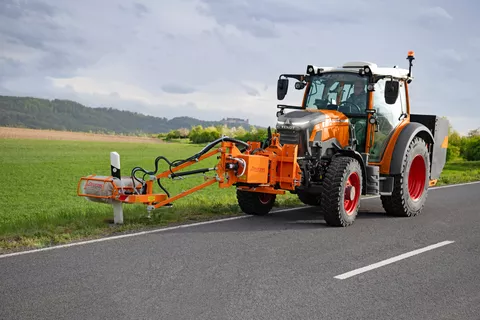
391 260
178 227
455 185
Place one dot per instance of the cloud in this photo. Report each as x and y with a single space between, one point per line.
214 59
251 91
177 88
140 9
435 13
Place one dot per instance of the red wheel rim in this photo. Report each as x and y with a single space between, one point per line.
351 193
416 177
264 198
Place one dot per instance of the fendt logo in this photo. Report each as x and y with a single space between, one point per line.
257 169
282 126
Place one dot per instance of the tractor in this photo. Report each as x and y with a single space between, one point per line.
353 135
356 136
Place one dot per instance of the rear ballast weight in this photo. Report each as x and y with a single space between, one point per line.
259 173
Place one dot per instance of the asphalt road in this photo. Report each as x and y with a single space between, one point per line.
278 267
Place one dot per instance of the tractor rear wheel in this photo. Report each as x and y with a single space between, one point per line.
255 203
411 186
310 199
342 189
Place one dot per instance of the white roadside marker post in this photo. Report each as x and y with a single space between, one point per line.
115 172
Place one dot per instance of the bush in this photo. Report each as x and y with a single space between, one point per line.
173 134
453 152
467 148
470 149
200 135
253 135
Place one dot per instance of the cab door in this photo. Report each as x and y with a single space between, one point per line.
389 117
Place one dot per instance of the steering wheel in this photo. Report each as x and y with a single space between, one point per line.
351 104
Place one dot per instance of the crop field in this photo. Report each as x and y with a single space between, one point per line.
40 206
24 133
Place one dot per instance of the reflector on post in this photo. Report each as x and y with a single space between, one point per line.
115 172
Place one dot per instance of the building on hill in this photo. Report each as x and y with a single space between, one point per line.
234 121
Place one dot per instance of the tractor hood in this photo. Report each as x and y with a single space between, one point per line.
299 120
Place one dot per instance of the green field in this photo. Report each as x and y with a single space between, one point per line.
40 206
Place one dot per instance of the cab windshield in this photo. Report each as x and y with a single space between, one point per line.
344 92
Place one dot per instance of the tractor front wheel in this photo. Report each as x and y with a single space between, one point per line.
411 187
255 203
342 189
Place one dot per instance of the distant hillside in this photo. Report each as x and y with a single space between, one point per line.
69 115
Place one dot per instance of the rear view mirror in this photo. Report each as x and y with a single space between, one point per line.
391 91
282 88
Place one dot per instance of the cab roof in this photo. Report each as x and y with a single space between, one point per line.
355 66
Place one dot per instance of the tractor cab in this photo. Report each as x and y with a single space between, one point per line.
360 93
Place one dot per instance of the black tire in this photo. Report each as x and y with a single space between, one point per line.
309 198
410 189
255 203
342 172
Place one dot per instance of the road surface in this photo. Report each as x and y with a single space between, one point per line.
289 265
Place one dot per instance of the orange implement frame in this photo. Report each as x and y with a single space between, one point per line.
271 170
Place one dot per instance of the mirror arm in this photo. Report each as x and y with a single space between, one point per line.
299 77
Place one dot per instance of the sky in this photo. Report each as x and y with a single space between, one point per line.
212 59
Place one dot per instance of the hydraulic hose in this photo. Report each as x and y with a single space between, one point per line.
175 163
207 148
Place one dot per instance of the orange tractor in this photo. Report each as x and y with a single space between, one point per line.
352 135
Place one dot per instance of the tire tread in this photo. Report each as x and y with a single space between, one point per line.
332 189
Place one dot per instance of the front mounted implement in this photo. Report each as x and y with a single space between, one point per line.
260 170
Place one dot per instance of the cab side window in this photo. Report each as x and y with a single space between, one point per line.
389 114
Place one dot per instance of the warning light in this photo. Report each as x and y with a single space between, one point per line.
411 53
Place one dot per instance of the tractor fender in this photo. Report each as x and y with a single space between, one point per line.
357 156
409 132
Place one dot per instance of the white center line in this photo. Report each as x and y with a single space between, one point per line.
391 260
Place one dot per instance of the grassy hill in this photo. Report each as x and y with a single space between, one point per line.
68 115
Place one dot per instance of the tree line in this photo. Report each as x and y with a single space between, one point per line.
200 135
66 115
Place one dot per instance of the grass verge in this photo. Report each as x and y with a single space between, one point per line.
40 206
460 171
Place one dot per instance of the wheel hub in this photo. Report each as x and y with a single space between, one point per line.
417 177
264 198
350 192
351 196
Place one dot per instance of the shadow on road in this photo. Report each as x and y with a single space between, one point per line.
305 218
